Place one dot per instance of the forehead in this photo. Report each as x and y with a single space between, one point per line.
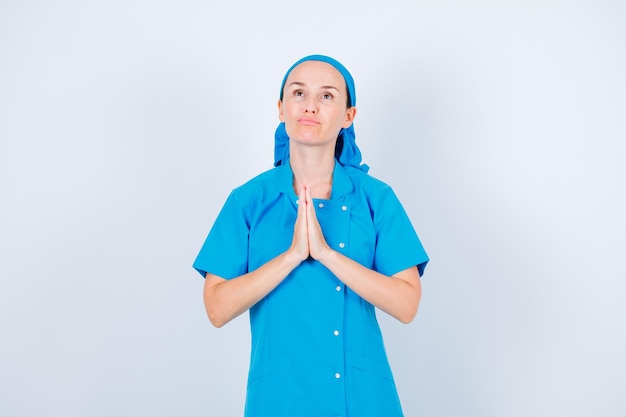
317 72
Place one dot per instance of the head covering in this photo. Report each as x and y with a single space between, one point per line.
346 151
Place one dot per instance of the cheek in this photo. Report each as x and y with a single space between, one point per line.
341 117
289 109
287 112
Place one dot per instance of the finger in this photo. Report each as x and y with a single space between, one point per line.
317 242
309 204
313 225
301 191
301 199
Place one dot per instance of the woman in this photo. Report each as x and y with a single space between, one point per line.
310 247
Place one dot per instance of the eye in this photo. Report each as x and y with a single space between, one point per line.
298 93
327 96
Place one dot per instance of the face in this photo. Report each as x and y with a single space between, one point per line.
314 104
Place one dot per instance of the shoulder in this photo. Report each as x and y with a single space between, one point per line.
367 184
259 191
266 181
377 195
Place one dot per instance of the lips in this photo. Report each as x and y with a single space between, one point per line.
308 121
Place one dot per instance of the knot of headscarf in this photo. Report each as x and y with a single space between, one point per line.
347 152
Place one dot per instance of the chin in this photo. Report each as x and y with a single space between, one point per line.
305 137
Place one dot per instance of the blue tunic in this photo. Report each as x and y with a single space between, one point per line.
317 349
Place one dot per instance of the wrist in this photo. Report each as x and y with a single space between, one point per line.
327 256
292 258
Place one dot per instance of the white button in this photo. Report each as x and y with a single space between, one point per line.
336 332
337 375
338 288
342 245
320 205
344 208
297 201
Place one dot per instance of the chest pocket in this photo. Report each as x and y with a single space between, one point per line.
348 229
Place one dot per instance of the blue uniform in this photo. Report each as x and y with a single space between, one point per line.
317 349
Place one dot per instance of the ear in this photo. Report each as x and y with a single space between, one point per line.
281 117
350 115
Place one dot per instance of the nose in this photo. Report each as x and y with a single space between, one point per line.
310 106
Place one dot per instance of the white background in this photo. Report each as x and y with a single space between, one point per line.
125 124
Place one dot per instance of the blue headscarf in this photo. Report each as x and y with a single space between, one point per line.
346 150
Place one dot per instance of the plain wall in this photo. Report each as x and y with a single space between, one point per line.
125 124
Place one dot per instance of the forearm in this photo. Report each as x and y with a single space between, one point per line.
226 299
398 295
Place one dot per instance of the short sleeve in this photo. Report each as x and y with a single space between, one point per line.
397 245
225 250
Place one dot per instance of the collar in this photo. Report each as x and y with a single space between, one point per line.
342 183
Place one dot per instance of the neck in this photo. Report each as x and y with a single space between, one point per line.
314 168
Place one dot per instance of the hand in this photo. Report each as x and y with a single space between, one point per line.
308 238
318 247
300 242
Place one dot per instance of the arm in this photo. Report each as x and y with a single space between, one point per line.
226 299
398 295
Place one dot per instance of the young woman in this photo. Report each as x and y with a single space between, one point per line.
310 248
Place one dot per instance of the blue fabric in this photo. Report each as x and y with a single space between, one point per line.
317 349
346 141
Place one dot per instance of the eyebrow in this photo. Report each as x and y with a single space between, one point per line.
324 87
